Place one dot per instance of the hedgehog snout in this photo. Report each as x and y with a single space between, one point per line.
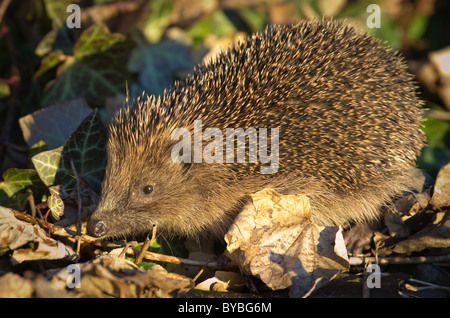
96 228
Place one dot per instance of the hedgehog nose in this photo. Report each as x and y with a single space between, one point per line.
97 228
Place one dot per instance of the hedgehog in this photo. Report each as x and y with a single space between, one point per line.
340 103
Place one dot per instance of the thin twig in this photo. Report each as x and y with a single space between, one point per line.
57 230
77 179
198 274
148 241
178 260
32 203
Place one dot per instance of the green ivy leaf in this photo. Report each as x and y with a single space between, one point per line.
19 179
86 147
96 70
50 61
95 39
56 206
15 183
158 63
55 123
158 20
46 164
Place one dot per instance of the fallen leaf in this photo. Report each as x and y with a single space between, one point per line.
435 235
15 286
441 194
223 282
441 61
274 239
111 276
412 203
15 235
409 215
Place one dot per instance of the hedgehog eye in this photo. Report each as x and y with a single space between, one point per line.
148 189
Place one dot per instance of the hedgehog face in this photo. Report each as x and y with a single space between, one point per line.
134 199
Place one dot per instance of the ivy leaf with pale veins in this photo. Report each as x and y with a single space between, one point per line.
96 70
86 147
56 206
17 180
46 164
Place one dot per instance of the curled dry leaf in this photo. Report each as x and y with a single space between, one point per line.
408 216
223 281
419 221
15 235
274 239
435 235
111 276
15 286
441 194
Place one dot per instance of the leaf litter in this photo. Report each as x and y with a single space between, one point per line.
274 239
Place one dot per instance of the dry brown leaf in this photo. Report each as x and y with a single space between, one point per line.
15 286
413 203
274 239
441 194
110 276
435 235
441 61
409 215
223 282
15 234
